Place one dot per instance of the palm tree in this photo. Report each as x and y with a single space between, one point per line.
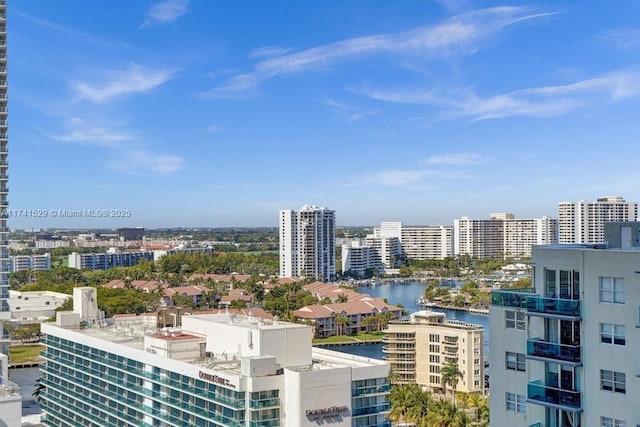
402 398
450 375
341 321
418 412
342 298
37 393
445 414
385 317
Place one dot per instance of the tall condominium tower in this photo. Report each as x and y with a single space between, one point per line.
502 235
4 248
583 222
307 243
565 352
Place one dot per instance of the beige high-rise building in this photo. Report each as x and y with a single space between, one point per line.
419 348
583 222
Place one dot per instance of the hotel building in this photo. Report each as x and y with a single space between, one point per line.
216 370
583 222
502 235
307 243
419 348
564 353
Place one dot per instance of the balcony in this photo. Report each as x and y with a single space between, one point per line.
375 409
566 400
553 308
517 299
537 349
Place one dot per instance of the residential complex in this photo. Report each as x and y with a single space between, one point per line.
30 262
216 370
502 235
307 243
419 348
564 353
419 241
106 260
4 178
583 222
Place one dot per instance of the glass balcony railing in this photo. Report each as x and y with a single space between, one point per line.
372 389
553 306
554 397
561 352
366 410
516 299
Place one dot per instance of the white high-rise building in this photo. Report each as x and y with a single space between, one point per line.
307 243
427 242
583 222
502 235
5 266
565 353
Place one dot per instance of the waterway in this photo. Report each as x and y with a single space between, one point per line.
26 379
407 294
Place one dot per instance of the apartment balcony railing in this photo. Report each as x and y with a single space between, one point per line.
538 393
372 389
374 409
517 299
553 307
562 353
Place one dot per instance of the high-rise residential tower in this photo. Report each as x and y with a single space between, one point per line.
583 222
4 190
502 236
565 352
307 243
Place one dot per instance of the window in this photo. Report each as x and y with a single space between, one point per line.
515 403
612 334
612 290
515 361
613 381
610 422
514 320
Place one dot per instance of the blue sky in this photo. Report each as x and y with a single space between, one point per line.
220 113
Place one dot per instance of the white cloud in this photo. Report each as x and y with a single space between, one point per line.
459 34
269 51
81 131
166 12
134 79
622 38
457 159
546 101
142 161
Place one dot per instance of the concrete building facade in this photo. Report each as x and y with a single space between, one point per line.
307 243
216 370
419 348
583 222
30 262
564 353
5 266
502 235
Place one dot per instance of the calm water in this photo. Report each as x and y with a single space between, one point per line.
26 378
407 294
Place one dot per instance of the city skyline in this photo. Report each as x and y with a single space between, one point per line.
214 114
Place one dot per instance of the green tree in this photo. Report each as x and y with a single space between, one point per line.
450 376
342 298
341 321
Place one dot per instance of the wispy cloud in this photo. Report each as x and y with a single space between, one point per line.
546 101
460 34
80 131
142 161
269 51
165 12
622 38
115 84
77 35
457 159
348 112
